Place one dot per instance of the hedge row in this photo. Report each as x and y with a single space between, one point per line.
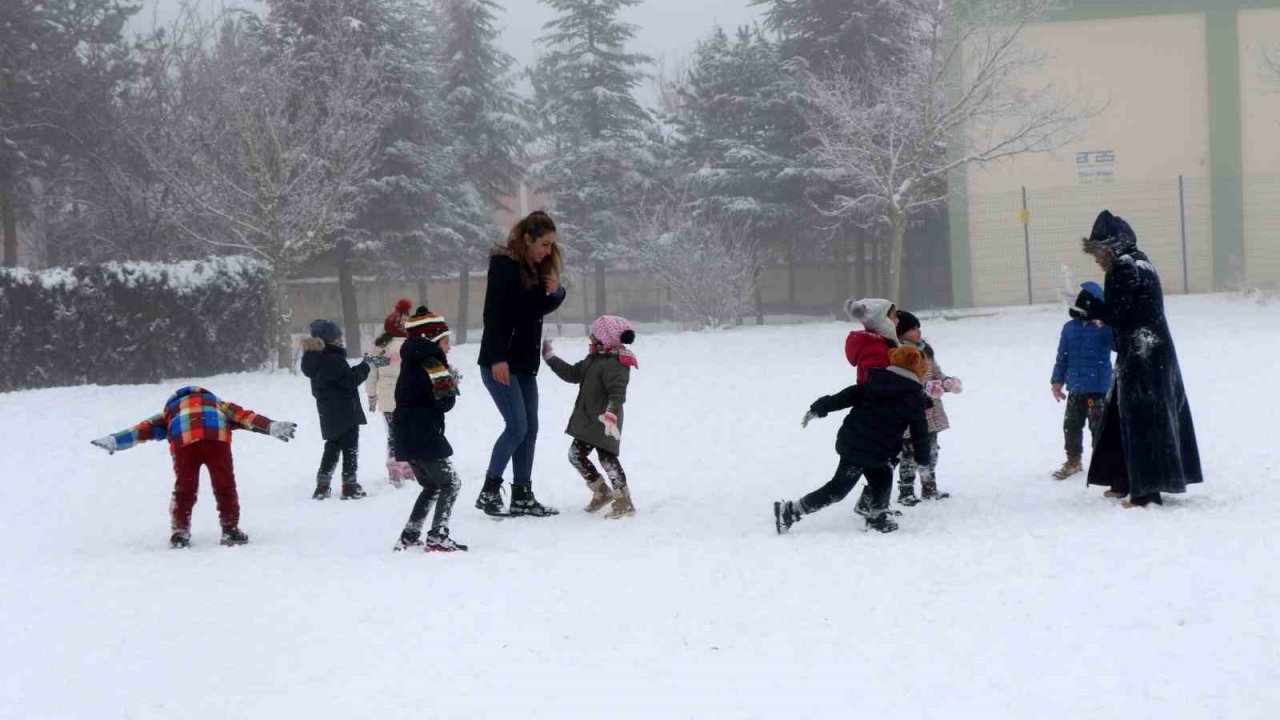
131 322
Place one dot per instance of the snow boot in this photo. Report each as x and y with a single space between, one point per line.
233 536
786 514
622 506
180 539
863 507
490 500
929 491
439 541
523 503
882 522
601 495
352 491
408 538
1069 468
907 495
1145 500
322 491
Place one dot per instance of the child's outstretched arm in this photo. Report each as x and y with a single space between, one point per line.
249 420
153 428
569 373
847 398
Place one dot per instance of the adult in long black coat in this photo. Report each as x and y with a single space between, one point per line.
1147 442
523 286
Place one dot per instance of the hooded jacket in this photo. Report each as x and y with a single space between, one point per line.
1083 363
890 402
868 349
335 386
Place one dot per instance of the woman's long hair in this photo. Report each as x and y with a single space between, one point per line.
522 236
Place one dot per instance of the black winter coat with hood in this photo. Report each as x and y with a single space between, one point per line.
888 403
513 315
418 421
335 386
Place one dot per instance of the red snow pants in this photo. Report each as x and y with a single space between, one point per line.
187 461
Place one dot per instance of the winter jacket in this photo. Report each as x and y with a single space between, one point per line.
602 381
191 415
891 401
936 413
1083 364
513 317
335 386
1155 447
382 381
418 422
868 349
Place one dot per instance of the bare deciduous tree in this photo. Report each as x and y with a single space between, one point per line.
265 156
962 94
709 263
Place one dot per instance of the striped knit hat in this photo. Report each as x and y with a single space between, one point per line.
425 322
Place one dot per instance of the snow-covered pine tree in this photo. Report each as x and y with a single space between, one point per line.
485 126
598 157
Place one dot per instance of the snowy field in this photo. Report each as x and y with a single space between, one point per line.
1020 597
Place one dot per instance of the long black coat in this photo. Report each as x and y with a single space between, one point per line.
335 386
417 425
513 317
1147 442
888 403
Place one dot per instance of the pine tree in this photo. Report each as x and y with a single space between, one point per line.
837 34
599 154
485 124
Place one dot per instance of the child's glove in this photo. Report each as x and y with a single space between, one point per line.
548 350
953 385
457 375
610 422
107 443
378 361
373 403
282 430
934 389
809 415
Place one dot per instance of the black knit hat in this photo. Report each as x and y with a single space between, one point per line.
907 322
326 330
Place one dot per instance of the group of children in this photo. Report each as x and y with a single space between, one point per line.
896 414
409 378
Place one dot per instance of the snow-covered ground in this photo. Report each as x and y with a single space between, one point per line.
1020 597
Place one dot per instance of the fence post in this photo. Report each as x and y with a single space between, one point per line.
1026 240
1182 219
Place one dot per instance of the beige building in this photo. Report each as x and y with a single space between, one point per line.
1185 145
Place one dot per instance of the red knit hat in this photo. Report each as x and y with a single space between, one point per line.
394 324
425 322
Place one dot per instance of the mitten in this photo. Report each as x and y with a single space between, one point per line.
934 389
107 443
610 422
548 350
809 415
378 361
953 385
282 430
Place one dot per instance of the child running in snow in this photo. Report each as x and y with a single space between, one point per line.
1083 368
381 385
335 386
596 422
198 426
936 384
426 390
889 402
868 349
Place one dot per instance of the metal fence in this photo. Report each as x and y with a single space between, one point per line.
1023 243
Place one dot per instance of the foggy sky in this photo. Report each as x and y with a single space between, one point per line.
668 29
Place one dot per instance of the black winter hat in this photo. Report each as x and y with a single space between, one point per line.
326 330
1113 233
907 322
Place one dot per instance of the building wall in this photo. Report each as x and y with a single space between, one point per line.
1260 100
1147 78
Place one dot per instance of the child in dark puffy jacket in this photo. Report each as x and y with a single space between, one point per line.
336 388
198 426
868 349
890 402
427 389
596 422
1083 369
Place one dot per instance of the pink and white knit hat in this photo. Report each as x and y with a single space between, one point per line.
613 331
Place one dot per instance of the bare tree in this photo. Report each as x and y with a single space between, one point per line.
709 263
266 159
962 94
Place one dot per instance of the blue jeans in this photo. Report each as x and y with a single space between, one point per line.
518 403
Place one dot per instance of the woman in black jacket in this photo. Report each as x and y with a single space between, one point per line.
523 287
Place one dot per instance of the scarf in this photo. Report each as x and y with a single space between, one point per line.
625 356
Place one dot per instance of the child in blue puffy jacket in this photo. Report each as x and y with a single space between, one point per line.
1083 368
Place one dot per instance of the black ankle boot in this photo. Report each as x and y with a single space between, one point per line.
524 503
490 500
